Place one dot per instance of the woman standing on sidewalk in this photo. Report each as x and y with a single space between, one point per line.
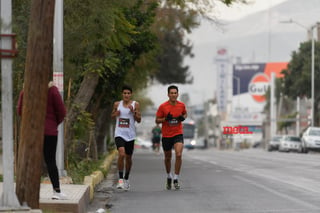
126 112
55 114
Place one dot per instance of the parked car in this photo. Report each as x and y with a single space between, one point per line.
290 143
311 139
274 143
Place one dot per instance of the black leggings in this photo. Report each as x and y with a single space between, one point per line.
49 152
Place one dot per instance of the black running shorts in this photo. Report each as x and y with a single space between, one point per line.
168 143
128 145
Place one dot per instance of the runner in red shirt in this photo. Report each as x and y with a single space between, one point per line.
171 114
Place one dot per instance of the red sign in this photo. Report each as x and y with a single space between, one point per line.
222 51
234 130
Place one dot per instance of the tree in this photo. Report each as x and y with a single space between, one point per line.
36 78
171 29
297 78
21 11
286 124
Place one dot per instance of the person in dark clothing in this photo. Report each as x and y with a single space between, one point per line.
55 114
156 136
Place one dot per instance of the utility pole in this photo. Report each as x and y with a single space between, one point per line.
9 199
312 71
273 123
312 76
58 76
38 70
298 117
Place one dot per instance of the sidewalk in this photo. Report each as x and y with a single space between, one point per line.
79 195
79 198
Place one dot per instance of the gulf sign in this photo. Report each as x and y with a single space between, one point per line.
254 79
258 87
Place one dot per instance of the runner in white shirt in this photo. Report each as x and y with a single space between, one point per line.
126 112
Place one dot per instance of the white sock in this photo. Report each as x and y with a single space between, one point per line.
175 177
169 175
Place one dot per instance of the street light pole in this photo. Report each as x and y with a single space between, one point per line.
312 75
291 21
8 200
58 78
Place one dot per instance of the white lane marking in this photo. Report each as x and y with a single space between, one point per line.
288 197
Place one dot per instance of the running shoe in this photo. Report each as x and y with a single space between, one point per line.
126 186
168 185
176 184
59 196
120 184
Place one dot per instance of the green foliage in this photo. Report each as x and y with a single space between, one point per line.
90 33
286 124
83 125
78 169
171 27
145 46
20 19
118 40
171 68
100 65
297 78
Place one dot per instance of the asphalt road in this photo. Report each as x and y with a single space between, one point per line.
247 181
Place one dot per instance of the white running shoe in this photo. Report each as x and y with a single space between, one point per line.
120 184
59 196
126 185
176 184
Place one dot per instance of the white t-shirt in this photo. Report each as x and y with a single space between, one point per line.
125 123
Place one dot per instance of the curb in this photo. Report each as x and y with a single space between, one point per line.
97 176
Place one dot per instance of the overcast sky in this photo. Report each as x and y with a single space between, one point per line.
237 11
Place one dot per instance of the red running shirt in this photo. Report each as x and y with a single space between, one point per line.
173 127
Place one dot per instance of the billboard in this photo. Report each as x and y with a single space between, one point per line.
254 79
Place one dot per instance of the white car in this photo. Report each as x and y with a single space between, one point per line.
311 139
290 143
274 143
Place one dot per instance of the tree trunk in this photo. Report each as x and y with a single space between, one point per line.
80 103
36 78
102 128
93 151
101 112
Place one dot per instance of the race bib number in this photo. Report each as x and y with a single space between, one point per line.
173 122
124 122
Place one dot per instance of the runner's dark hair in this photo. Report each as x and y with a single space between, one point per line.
173 87
126 87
